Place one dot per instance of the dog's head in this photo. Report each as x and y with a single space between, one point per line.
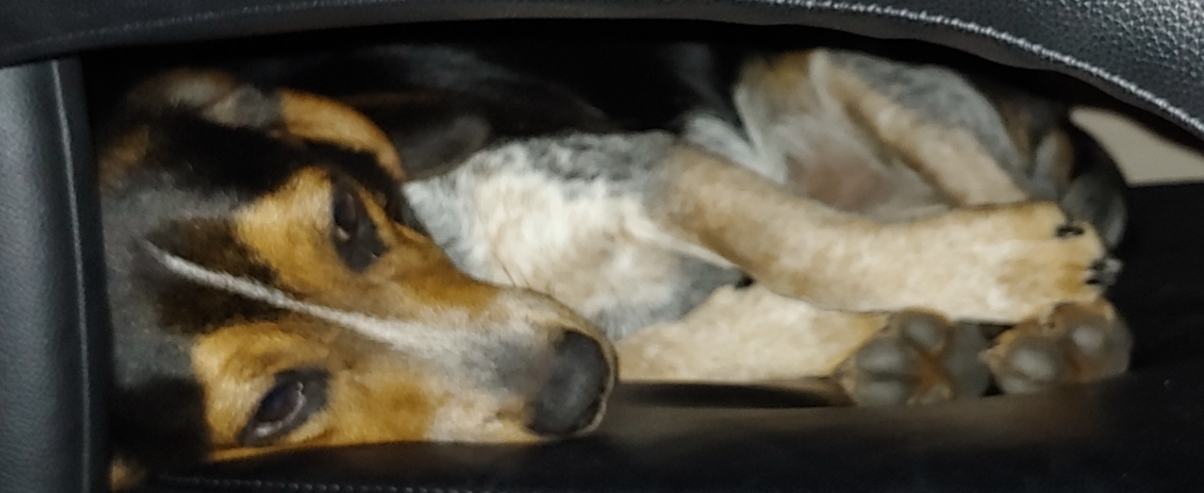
271 289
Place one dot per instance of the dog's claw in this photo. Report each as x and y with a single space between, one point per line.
1019 259
1069 230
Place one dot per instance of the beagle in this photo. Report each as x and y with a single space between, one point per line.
424 242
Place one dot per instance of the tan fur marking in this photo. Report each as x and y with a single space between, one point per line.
742 336
974 263
786 74
316 118
122 155
371 396
124 475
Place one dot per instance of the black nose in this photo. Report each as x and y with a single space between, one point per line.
578 383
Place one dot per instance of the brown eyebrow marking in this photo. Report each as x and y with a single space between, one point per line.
315 118
122 154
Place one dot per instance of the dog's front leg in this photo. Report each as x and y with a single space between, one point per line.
753 335
744 335
998 264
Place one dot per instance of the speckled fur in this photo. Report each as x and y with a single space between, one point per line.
566 216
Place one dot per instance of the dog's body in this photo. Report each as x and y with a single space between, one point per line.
259 244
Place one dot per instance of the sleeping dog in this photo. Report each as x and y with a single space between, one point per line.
461 243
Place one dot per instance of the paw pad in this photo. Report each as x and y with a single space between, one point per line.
1074 343
919 358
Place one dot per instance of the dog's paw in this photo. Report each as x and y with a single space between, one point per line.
918 358
1003 264
1072 343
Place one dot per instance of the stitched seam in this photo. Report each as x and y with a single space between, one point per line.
997 35
201 17
829 5
339 487
293 485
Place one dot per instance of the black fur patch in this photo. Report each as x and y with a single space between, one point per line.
210 157
744 282
515 103
251 164
638 85
194 308
160 424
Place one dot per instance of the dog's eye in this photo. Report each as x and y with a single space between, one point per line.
346 214
296 395
283 401
353 232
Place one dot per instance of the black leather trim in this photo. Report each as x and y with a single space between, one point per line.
1144 53
53 318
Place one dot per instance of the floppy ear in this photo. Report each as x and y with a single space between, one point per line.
212 94
440 145
433 132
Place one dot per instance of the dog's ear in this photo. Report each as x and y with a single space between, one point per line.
211 94
440 144
433 131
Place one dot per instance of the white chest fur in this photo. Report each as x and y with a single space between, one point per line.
561 216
